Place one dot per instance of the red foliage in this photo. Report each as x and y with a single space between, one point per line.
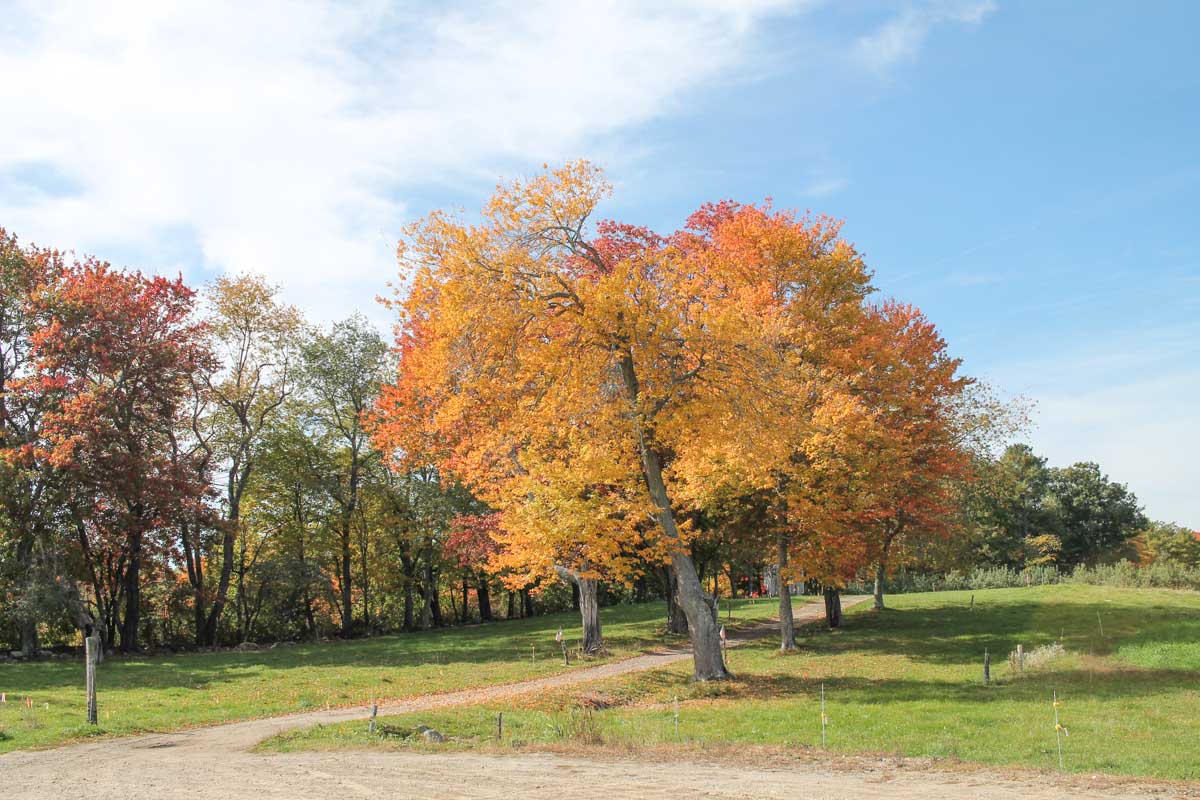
119 352
114 363
472 539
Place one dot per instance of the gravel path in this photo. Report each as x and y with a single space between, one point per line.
213 763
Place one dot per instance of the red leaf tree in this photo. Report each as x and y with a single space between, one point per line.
116 360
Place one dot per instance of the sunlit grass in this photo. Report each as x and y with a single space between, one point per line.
906 681
158 693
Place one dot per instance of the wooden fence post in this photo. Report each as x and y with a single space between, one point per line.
987 667
1059 729
824 719
91 645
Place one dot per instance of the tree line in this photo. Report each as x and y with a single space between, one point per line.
192 468
572 413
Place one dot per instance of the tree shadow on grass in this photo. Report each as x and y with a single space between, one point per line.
1103 685
502 642
957 634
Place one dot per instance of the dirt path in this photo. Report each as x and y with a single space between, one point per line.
213 763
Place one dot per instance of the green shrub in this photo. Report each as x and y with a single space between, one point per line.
1161 575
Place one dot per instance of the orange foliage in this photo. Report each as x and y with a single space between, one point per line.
537 363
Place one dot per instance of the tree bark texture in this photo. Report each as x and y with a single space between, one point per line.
708 662
485 598
787 624
588 590
881 571
833 607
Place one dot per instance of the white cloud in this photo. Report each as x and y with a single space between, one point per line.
901 37
1143 433
281 137
1129 404
824 187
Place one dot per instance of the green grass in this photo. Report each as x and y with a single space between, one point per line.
160 693
905 681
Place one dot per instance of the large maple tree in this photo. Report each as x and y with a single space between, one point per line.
530 334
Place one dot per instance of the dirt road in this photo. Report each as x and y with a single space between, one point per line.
213 764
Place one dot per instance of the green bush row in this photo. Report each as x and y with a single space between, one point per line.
1163 575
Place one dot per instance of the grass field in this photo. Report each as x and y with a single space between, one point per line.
160 693
905 681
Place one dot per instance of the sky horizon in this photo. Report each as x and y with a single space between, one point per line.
1026 173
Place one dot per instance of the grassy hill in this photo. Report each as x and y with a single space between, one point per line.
909 681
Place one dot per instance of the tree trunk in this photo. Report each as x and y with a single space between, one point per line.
347 599
512 605
431 613
881 571
242 597
194 564
228 540
574 596
833 607
454 606
587 590
407 624
676 619
589 611
707 659
107 618
29 638
428 592
485 598
364 549
310 621
28 625
409 568
466 611
200 616
527 602
435 604
133 587
787 625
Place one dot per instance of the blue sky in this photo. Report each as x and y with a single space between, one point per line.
1026 172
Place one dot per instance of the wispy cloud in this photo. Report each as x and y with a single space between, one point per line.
290 139
824 187
901 37
284 138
